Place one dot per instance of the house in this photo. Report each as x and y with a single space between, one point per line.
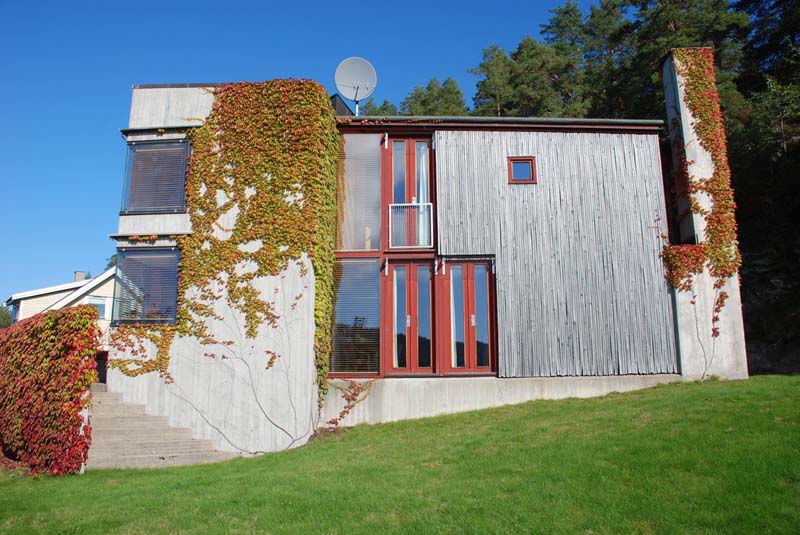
97 291
479 261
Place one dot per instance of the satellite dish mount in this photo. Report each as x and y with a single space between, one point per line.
355 79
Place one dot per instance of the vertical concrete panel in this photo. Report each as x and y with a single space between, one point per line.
701 354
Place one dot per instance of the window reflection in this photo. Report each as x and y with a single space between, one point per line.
457 316
424 316
400 317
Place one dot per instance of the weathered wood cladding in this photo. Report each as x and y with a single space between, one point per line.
580 285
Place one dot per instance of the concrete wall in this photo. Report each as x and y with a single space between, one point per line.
237 402
400 399
169 106
701 355
158 224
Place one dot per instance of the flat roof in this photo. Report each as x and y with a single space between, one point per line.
548 123
173 86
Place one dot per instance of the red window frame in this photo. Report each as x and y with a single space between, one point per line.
527 159
388 321
444 326
387 183
440 282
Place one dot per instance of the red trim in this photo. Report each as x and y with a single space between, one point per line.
411 258
425 129
412 333
511 160
444 329
357 254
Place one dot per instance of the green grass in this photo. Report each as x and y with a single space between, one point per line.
718 457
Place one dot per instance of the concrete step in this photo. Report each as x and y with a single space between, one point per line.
117 410
123 436
152 447
99 387
106 397
115 435
129 422
156 461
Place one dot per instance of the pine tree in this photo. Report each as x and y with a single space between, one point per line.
494 89
370 108
435 99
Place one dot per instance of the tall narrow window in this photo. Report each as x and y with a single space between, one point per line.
481 284
410 207
356 321
401 317
457 314
155 177
424 324
146 286
359 204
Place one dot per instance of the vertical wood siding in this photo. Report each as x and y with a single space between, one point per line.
580 285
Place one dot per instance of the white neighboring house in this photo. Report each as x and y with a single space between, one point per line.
97 291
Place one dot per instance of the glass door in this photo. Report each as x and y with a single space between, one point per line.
410 209
409 307
468 318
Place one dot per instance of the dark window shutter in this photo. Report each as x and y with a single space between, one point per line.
356 320
155 177
146 286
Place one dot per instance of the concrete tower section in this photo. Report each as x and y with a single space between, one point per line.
700 354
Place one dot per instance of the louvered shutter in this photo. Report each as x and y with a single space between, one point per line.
155 178
356 322
146 286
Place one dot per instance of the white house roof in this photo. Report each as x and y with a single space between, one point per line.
85 289
48 290
76 289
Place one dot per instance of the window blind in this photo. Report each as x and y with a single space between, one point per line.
155 177
359 194
146 286
356 322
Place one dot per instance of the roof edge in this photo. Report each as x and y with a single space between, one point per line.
176 86
85 289
502 123
48 290
434 119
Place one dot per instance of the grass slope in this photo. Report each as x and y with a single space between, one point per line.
719 457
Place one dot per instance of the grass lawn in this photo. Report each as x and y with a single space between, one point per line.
718 457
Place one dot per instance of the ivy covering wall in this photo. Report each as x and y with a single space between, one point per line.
266 159
46 369
719 251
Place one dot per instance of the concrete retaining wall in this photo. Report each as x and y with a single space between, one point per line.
400 399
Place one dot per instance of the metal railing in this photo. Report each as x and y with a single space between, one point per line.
411 225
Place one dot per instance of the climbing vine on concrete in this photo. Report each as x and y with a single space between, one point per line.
261 193
719 251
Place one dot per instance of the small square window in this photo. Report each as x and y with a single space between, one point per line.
522 170
100 304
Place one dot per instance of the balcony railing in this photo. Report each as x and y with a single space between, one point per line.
411 225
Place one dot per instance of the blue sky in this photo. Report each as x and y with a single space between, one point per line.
66 71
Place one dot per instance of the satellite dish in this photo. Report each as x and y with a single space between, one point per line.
355 79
